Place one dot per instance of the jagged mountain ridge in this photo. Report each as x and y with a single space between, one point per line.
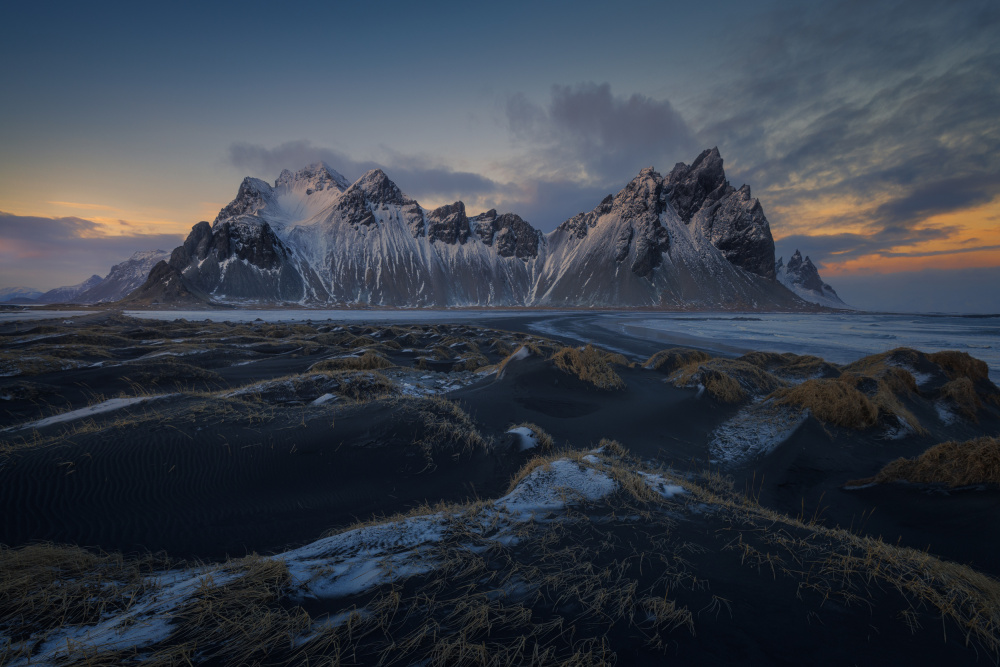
67 293
685 240
123 278
802 277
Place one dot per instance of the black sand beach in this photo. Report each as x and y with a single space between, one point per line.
212 441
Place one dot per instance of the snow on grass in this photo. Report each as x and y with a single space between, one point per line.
920 378
147 621
662 486
107 406
526 438
325 398
753 431
360 559
341 565
549 488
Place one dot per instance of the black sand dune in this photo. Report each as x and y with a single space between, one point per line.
257 438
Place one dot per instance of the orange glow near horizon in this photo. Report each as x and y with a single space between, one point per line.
974 241
122 222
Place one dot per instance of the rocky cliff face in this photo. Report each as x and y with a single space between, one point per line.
731 219
802 277
686 240
448 224
637 249
508 233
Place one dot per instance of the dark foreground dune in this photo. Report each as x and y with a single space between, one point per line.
679 506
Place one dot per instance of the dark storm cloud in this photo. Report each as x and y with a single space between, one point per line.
864 99
51 252
586 126
416 176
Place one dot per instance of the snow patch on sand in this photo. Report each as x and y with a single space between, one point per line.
662 486
549 487
526 438
107 406
752 432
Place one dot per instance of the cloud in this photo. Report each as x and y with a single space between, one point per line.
588 135
885 100
51 252
545 201
419 176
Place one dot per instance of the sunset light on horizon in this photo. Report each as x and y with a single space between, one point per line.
869 131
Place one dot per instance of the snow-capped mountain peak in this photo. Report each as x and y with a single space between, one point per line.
802 277
378 189
684 240
316 177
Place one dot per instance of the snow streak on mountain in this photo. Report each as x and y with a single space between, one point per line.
684 240
802 277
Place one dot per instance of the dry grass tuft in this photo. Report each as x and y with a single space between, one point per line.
951 463
667 361
790 365
831 401
19 363
963 394
591 365
613 448
960 365
473 362
853 400
448 430
166 370
47 585
727 380
369 361
365 386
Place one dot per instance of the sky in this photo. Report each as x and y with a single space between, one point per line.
870 130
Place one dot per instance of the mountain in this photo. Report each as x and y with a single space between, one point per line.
123 278
19 294
802 277
685 240
69 292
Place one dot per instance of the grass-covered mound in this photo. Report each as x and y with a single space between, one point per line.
950 463
727 380
591 558
592 365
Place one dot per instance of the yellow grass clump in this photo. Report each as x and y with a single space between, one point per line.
667 361
963 394
852 400
960 364
831 401
788 364
952 463
366 362
727 380
591 365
